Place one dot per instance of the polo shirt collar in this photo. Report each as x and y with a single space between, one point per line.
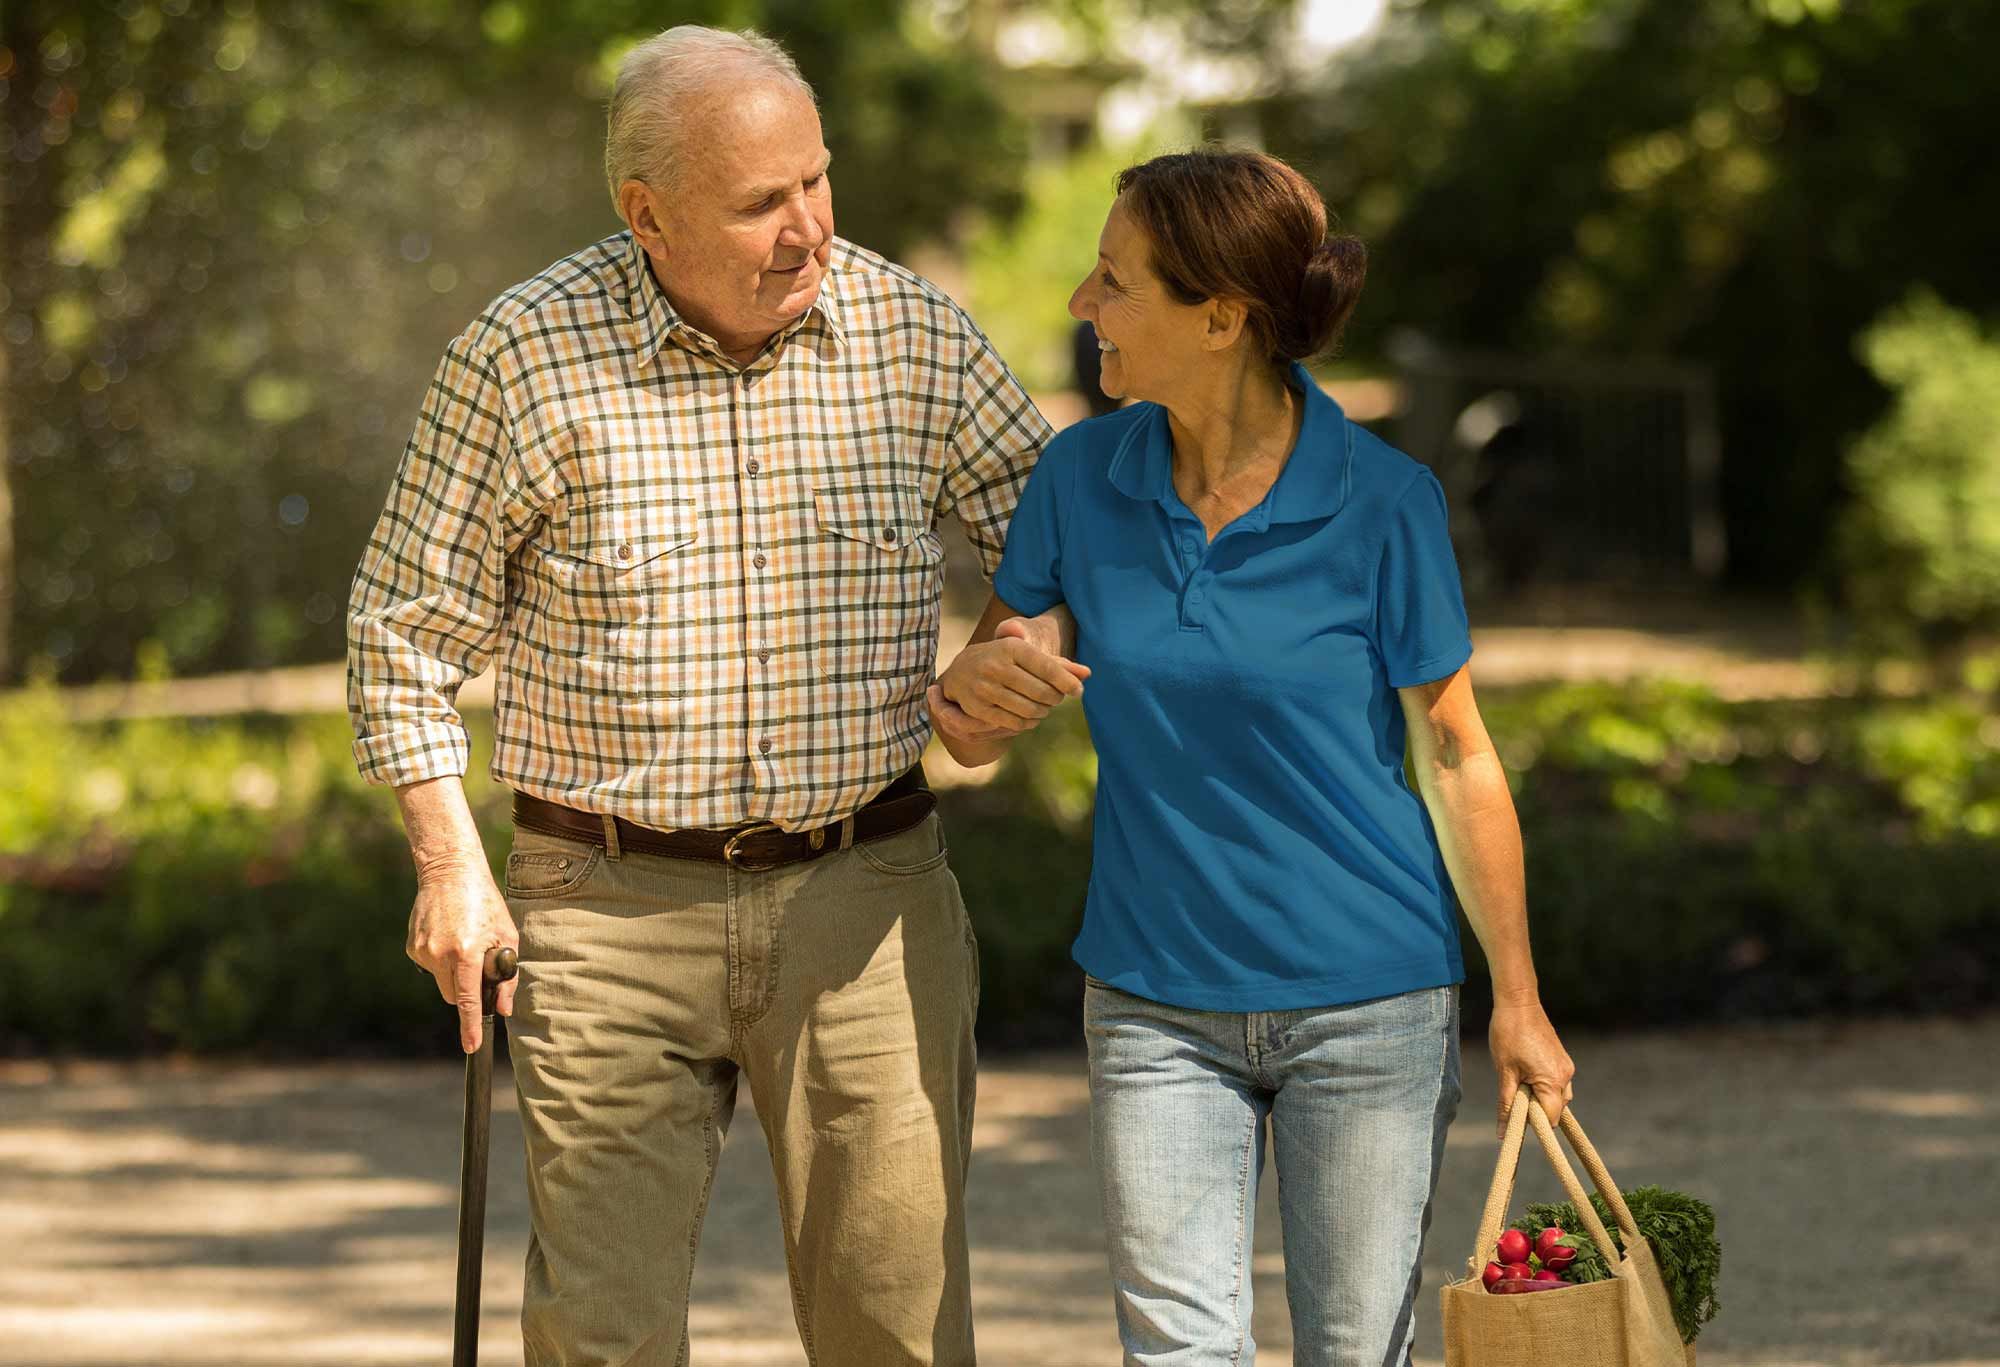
1313 484
655 319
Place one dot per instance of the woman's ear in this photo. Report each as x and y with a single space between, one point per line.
1226 319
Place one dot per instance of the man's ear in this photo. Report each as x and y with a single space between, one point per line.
1225 321
641 214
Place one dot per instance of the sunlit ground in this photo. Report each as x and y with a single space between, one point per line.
306 1215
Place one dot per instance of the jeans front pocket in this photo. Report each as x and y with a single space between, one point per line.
548 866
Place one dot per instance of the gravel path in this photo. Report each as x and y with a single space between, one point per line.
161 1214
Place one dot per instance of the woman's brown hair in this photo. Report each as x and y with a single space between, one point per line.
1230 224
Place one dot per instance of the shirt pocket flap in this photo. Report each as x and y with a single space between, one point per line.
884 516
624 536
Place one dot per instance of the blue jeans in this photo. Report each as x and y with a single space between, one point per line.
1358 1099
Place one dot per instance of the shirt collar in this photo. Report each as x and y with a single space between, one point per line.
655 319
1312 485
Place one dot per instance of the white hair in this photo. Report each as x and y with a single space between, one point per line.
656 80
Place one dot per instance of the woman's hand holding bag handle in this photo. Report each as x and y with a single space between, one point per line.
1626 1321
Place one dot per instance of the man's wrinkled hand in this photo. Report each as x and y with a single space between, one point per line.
1010 683
956 728
458 916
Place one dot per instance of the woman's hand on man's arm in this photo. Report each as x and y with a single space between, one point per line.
1013 672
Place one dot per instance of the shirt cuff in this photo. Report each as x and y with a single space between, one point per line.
413 752
1434 667
1010 590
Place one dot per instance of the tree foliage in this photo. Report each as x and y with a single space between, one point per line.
1746 182
1922 542
235 234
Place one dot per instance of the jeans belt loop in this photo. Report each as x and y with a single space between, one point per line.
611 837
847 833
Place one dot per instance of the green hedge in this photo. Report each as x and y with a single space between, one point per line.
231 886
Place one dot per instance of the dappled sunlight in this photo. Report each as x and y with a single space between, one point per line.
1916 1105
305 1214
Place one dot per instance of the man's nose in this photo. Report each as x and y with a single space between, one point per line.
1081 306
802 227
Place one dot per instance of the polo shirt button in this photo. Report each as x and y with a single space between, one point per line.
764 746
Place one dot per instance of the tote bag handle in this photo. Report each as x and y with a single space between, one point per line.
1527 1110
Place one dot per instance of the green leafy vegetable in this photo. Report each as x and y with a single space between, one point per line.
1681 1230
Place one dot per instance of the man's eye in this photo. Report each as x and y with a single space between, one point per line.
815 182
1109 283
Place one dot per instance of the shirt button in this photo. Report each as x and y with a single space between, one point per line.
764 656
764 746
752 466
625 552
758 560
1189 546
889 535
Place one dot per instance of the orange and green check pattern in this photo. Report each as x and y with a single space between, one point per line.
711 594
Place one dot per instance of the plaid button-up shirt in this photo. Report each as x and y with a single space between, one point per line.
713 592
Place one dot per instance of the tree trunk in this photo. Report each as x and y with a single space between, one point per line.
17 108
26 218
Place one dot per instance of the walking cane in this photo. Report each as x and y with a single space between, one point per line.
499 967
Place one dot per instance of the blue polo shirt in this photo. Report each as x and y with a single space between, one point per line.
1256 846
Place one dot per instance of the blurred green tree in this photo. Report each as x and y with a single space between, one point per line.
1922 540
1748 182
235 234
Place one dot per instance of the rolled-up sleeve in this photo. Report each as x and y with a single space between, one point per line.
428 597
994 444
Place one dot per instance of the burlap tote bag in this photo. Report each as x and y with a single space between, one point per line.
1626 1321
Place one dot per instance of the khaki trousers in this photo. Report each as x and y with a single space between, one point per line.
843 990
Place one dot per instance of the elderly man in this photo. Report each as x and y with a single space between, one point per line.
683 485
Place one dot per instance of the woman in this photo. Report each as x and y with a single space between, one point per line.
1266 607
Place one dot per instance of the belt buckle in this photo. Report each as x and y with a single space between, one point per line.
729 850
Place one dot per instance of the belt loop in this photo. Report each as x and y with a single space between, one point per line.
846 832
611 836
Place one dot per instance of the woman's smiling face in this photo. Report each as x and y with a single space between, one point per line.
1149 340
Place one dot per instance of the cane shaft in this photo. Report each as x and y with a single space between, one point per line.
472 1194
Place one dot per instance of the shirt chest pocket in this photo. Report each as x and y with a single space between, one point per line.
877 578
620 539
625 581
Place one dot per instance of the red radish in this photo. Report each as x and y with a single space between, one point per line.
1514 1247
1493 1273
1513 1286
1559 1257
1545 1242
1519 1272
1548 1274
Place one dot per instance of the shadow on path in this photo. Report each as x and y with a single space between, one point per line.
264 1215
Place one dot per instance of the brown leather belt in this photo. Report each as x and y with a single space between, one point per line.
752 846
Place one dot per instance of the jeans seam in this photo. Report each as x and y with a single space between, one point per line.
1412 1281
711 1143
1242 1231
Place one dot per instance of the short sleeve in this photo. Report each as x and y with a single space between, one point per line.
1029 579
1421 629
